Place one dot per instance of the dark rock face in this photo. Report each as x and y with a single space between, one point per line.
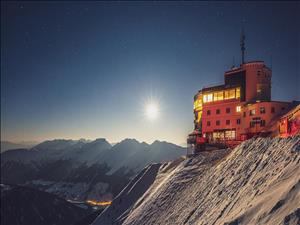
26 206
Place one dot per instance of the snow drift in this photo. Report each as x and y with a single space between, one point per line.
256 183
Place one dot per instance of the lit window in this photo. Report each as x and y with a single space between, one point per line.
229 94
218 135
238 108
207 98
252 112
262 110
238 92
197 104
230 134
218 96
226 94
232 93
199 116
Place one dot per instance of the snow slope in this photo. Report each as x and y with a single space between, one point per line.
256 183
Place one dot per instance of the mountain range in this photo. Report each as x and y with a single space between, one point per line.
83 170
7 145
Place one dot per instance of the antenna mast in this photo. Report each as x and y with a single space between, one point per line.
242 44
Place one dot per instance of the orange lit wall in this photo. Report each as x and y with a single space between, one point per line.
254 81
279 108
222 117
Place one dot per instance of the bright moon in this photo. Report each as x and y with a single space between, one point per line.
152 111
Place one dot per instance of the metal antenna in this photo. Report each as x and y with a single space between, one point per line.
233 62
242 44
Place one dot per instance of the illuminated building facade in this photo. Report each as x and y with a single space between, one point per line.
240 108
236 110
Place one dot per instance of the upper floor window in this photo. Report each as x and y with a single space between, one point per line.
218 123
252 112
272 109
208 98
227 122
208 123
208 112
229 94
238 93
218 96
262 123
238 108
238 121
262 110
234 93
198 104
244 114
227 110
218 111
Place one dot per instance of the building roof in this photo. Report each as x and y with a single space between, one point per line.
292 111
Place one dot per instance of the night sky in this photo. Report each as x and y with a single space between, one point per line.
86 70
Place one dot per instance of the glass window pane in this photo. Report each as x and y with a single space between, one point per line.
238 92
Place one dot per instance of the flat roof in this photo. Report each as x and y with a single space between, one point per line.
240 68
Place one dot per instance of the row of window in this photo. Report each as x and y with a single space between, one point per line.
262 123
221 95
218 122
228 110
262 110
252 112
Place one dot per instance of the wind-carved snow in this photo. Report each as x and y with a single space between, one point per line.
256 183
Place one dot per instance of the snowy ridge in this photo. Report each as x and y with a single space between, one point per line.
133 191
256 183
